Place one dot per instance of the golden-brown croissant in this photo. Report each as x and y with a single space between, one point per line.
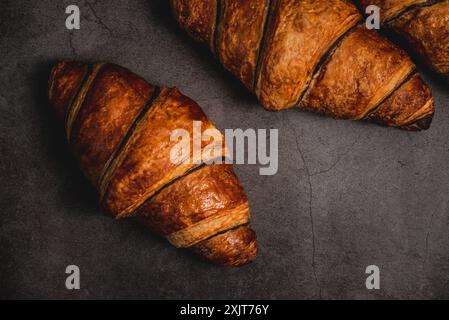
313 54
119 127
423 24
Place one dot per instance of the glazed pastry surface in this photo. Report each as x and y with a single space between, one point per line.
119 127
315 55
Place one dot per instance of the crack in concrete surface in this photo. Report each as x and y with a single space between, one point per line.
312 222
71 45
339 158
98 19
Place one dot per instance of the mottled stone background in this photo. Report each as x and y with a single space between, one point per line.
347 194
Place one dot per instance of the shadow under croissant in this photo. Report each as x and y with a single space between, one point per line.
160 10
79 192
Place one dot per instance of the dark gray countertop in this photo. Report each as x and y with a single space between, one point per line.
347 194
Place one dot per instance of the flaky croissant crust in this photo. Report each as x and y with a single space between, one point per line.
119 126
313 54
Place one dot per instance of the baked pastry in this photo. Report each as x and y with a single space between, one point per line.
422 24
315 55
119 127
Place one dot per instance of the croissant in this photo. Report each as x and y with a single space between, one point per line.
316 55
119 126
423 24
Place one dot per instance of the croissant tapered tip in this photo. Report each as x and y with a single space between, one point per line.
233 248
62 68
63 83
421 124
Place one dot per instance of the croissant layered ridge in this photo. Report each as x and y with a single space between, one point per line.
316 55
119 127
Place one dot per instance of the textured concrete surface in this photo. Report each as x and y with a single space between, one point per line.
347 194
